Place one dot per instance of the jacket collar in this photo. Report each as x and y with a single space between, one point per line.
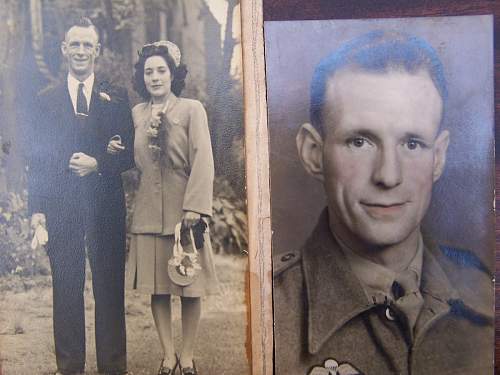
334 294
170 105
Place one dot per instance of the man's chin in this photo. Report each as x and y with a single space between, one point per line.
81 68
384 235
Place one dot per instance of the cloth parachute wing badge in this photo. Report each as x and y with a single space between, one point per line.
332 367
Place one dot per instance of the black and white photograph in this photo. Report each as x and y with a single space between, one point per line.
123 218
381 143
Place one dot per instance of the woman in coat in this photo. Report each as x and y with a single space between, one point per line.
174 155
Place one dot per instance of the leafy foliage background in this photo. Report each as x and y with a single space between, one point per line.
115 20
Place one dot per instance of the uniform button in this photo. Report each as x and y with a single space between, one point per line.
389 315
287 257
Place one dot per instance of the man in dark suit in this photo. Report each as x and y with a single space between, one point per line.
80 140
367 293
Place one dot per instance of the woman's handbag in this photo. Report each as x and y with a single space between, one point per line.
184 266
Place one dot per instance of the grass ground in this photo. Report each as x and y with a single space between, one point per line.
26 340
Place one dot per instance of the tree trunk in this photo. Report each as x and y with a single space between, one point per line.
224 127
13 21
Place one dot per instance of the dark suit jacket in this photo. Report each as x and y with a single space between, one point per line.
322 313
54 134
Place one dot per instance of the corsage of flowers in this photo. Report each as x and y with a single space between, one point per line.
156 131
186 264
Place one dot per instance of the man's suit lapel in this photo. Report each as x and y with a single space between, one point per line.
96 121
95 107
63 105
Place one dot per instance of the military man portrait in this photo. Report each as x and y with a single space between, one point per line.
380 283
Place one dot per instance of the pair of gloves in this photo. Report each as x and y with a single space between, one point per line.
40 234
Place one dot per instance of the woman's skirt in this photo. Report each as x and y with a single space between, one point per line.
147 267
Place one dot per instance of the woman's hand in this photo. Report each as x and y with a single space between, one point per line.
115 145
190 218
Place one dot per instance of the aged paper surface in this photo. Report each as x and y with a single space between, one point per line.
47 124
342 137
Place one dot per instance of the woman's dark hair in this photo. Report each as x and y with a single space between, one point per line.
178 73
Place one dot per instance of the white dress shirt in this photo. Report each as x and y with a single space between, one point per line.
87 89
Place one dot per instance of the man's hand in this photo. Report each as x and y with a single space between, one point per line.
190 218
81 164
115 145
37 219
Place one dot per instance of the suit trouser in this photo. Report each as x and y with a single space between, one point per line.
71 230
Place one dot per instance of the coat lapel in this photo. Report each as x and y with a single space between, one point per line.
334 294
63 105
96 103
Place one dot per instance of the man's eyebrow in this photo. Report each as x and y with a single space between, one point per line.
420 137
370 134
412 135
367 133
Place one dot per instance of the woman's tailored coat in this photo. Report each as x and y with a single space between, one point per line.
182 179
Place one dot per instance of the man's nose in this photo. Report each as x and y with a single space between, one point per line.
80 49
387 172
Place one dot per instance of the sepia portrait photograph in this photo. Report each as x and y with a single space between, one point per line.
381 144
123 216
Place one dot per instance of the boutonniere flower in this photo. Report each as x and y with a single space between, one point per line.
104 96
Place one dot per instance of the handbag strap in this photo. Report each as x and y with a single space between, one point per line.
178 250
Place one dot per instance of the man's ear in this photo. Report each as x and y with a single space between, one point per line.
310 149
440 147
64 48
98 49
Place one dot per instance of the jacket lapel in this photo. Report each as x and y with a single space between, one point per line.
96 103
334 294
63 105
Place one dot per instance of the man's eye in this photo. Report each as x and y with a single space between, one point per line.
357 142
413 144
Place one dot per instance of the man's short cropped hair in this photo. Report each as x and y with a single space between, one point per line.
377 51
81 21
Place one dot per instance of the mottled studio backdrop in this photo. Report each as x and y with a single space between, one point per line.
461 212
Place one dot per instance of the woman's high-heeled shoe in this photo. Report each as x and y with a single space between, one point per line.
188 370
167 370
